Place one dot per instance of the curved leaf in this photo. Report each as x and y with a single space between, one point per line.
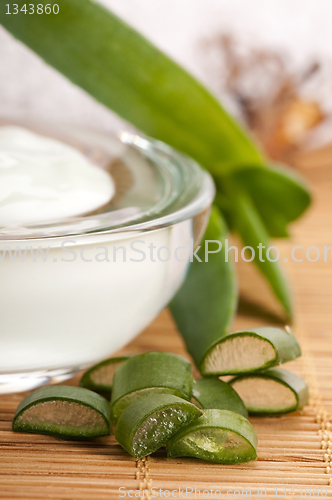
279 195
253 233
120 68
204 306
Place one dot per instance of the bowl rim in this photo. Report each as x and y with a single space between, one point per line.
190 188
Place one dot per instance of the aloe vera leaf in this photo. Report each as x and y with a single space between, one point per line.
251 350
251 228
220 436
279 195
120 68
204 306
212 393
151 421
150 373
64 411
99 377
272 391
257 204
253 233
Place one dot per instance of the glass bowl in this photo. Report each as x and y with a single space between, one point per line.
74 291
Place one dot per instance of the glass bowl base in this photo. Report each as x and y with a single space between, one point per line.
26 381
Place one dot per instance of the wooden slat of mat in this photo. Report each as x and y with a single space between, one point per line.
294 450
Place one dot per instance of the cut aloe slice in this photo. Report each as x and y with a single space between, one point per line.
251 350
99 378
219 436
272 391
150 373
212 393
64 411
151 421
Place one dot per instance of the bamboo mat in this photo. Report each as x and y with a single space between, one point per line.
294 450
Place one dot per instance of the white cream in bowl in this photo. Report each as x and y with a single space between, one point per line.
44 180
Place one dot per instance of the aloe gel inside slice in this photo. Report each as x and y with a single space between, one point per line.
220 436
251 350
151 421
239 353
62 418
217 445
104 375
64 411
262 395
158 428
100 376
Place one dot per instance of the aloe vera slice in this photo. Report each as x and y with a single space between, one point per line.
204 306
64 411
272 391
150 373
212 393
99 378
220 436
250 351
151 421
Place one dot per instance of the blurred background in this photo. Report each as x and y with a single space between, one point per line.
269 61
